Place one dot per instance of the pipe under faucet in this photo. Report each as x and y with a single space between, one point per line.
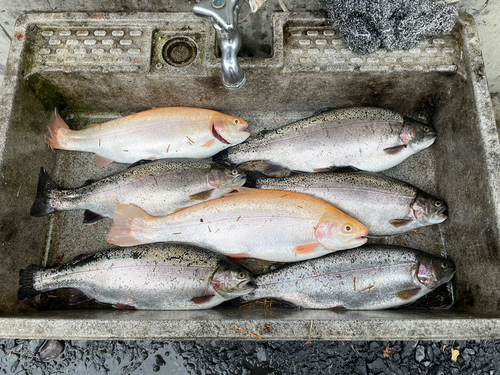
224 15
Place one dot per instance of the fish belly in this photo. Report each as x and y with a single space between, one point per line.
148 140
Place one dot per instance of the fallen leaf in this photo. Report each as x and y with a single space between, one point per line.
454 354
387 352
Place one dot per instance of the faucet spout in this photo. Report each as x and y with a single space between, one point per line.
224 16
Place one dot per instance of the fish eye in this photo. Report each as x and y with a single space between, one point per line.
241 275
426 129
444 265
347 228
236 121
438 203
234 172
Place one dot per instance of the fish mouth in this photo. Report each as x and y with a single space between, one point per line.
355 240
247 286
430 137
239 180
377 236
218 136
241 126
443 213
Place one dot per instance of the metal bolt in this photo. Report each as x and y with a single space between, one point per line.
218 3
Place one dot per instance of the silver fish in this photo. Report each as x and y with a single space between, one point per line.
158 187
159 133
384 205
369 139
148 277
371 277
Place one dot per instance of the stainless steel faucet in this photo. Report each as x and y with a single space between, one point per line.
224 16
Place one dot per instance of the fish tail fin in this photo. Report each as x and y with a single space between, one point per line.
128 225
42 205
57 128
26 280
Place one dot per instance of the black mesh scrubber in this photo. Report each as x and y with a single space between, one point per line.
367 25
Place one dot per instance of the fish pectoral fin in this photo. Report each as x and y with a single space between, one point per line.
101 161
327 109
202 300
266 167
322 170
209 143
238 190
306 249
238 256
202 196
122 306
398 223
76 296
90 217
285 304
140 162
394 150
179 209
408 294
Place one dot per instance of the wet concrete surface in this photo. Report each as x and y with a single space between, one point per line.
249 357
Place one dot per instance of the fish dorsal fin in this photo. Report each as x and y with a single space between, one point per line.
264 132
140 162
89 182
338 169
101 161
76 296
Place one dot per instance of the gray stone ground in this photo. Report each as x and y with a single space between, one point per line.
250 357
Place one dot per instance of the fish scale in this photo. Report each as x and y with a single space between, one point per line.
158 187
269 225
367 278
384 205
153 277
159 133
370 139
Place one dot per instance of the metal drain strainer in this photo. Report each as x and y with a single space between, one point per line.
179 51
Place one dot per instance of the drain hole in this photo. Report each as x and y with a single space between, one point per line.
179 51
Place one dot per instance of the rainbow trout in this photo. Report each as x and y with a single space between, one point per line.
158 187
160 133
384 205
148 277
273 225
371 277
369 139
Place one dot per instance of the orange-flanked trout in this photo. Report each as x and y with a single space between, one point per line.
161 133
272 225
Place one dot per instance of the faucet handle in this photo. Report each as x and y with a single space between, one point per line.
223 13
